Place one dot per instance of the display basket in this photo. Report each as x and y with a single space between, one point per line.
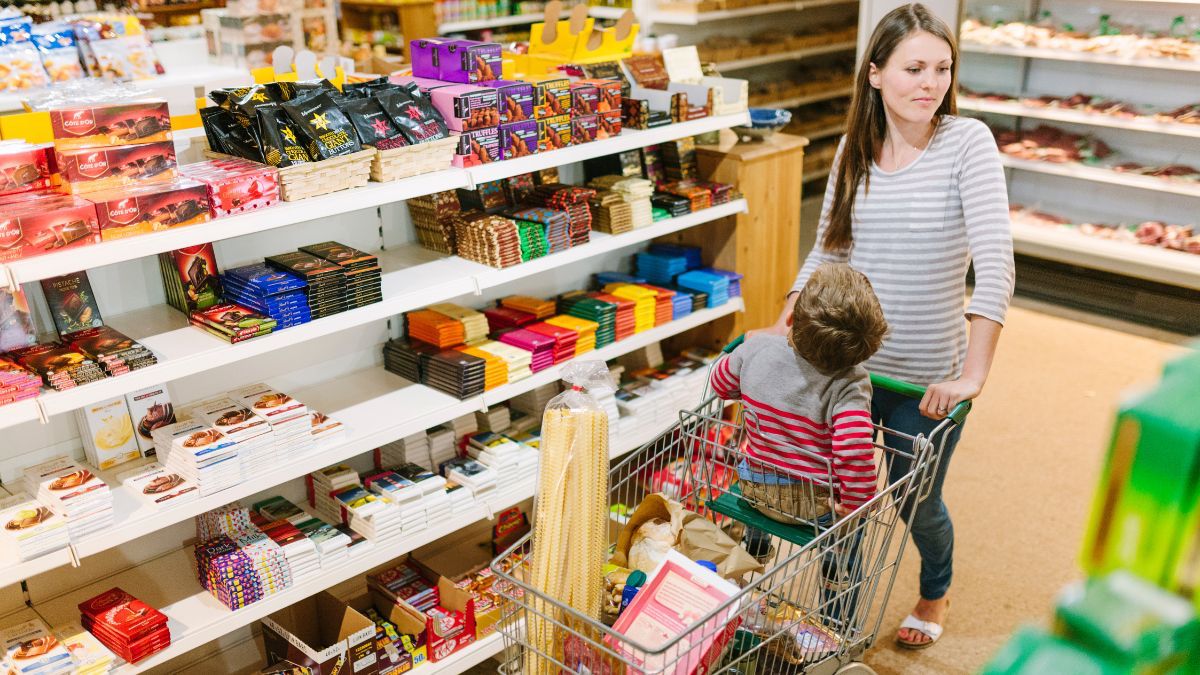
816 606
412 160
313 179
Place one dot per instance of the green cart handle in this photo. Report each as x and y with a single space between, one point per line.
959 414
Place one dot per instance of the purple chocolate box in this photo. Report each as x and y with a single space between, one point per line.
425 57
584 128
518 139
424 84
515 99
468 61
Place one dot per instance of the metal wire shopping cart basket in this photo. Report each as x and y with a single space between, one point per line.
816 606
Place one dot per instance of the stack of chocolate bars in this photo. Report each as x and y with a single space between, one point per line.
74 492
505 318
516 360
673 205
488 239
564 339
266 290
557 225
434 328
433 217
660 267
540 309
61 367
603 314
534 243
363 274
17 383
326 281
572 199
234 323
735 280
611 213
475 324
129 627
715 285
541 347
625 323
116 353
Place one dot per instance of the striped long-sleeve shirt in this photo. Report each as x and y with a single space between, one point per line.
792 405
915 233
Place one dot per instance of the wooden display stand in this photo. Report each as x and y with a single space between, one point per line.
416 18
762 244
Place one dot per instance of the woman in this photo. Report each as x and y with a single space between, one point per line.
916 195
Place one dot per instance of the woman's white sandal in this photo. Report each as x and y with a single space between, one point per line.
929 629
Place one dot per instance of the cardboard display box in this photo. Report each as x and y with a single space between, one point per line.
324 634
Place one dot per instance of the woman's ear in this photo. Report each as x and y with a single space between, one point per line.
791 318
873 76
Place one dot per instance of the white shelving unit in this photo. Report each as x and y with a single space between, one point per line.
494 22
1080 192
346 201
1144 262
1015 109
1103 175
606 13
675 18
742 64
413 278
1080 57
385 407
331 364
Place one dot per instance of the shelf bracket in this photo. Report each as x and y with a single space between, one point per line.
478 288
75 561
9 279
41 412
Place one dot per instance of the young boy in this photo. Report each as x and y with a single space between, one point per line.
807 401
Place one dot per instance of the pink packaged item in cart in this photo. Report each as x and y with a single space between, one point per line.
236 185
677 594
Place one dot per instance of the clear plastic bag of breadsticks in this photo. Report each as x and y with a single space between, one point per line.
570 534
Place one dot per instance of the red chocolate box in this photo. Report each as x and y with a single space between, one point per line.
119 613
236 185
24 168
610 94
107 124
585 99
585 128
153 208
93 170
40 226
610 124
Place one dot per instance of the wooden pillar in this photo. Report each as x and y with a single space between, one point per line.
762 244
417 20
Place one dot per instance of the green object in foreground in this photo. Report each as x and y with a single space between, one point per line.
1131 621
1032 651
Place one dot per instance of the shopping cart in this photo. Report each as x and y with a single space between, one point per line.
818 602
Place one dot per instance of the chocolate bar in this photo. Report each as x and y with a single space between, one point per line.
514 99
95 169
555 133
152 208
107 124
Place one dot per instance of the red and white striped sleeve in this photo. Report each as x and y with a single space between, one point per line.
725 377
854 456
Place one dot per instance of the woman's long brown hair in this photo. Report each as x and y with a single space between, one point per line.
866 126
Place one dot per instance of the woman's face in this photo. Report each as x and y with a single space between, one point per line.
915 79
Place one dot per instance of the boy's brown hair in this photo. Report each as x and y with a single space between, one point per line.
837 322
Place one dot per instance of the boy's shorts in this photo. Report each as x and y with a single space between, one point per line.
781 497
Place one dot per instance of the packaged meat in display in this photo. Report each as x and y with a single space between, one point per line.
39 226
152 208
96 169
105 124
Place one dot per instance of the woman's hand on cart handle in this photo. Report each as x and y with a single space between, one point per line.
941 398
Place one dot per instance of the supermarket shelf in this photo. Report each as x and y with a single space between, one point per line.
367 402
197 618
1144 262
177 8
345 201
1080 57
1102 175
680 18
19 413
281 215
413 278
798 101
628 140
494 22
826 132
1079 117
607 13
753 62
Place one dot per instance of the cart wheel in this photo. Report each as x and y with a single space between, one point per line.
856 668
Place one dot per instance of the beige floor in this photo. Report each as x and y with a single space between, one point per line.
1021 483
